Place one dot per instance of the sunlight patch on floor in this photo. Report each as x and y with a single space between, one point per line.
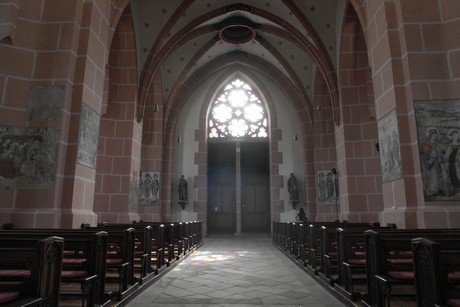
203 258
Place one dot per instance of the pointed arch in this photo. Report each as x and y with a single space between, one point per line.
159 53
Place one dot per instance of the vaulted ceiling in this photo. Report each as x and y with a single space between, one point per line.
296 37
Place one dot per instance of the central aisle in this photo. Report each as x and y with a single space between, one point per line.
236 270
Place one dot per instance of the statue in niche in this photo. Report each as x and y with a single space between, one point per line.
182 189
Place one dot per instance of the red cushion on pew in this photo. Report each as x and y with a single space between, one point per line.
453 302
401 253
111 253
73 260
454 275
360 253
113 261
69 253
357 261
401 275
6 297
333 254
15 273
400 261
74 274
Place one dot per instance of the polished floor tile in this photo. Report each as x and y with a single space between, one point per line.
236 271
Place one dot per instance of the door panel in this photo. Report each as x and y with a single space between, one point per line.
221 188
255 207
255 188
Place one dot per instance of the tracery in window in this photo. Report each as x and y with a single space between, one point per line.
237 112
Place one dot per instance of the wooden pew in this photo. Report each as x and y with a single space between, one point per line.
437 271
351 263
197 233
158 250
119 269
142 268
169 240
303 240
389 266
188 234
166 243
30 270
179 240
83 273
313 247
328 270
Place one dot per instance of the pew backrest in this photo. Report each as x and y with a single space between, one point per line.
436 267
42 257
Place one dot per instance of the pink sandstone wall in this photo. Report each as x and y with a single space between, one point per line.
120 140
408 51
324 147
413 57
357 159
55 43
152 152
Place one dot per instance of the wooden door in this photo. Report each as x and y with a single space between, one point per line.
255 187
221 188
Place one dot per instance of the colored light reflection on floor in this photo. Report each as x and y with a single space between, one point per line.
203 258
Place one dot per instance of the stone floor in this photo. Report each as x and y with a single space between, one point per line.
236 271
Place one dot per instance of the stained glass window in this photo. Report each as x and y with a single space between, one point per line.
237 112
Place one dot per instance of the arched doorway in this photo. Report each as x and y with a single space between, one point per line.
238 161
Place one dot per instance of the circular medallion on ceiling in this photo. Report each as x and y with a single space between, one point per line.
237 31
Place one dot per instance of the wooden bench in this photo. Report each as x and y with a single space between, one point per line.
30 270
83 273
196 229
389 264
437 271
329 266
183 236
119 269
187 233
142 268
303 240
313 247
351 263
119 261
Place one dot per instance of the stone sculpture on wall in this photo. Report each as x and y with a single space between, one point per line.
88 137
27 157
390 154
327 187
182 190
149 188
438 129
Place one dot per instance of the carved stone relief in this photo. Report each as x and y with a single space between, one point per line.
88 136
390 154
438 129
27 157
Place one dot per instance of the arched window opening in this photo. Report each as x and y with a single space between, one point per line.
237 112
